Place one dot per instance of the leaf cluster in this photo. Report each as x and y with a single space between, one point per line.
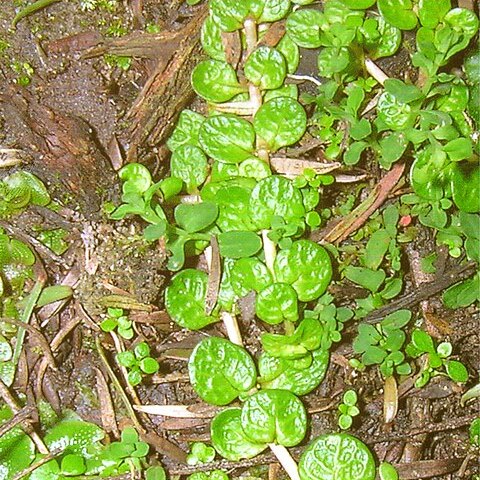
138 362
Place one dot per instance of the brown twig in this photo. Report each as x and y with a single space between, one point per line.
426 290
38 335
17 419
38 464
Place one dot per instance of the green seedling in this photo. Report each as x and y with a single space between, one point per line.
200 453
474 433
348 409
116 319
387 471
138 363
54 240
383 343
436 360
18 191
338 456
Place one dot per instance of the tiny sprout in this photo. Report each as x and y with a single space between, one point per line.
138 363
117 320
200 453
348 409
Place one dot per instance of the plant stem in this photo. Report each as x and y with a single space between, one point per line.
375 71
286 460
231 325
270 251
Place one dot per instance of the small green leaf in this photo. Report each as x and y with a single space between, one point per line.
185 299
189 163
423 341
365 277
195 217
466 187
304 27
280 122
269 10
266 68
277 303
249 274
338 456
216 81
73 464
456 371
459 149
229 14
227 138
377 247
149 365
345 421
211 38
399 13
474 432
155 473
186 130
229 439
350 398
220 371
239 244
126 359
274 416
403 92
387 472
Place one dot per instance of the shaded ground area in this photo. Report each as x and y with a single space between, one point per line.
73 113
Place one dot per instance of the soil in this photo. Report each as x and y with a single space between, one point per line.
73 125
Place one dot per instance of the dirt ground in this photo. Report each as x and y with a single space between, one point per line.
74 122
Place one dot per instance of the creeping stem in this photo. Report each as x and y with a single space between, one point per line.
286 460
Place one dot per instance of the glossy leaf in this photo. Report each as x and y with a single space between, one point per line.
275 196
288 375
337 455
216 81
219 371
280 122
466 188
266 68
186 130
185 299
269 10
456 371
307 267
229 14
249 274
229 439
274 416
388 43
239 244
289 49
304 27
432 12
227 138
189 163
395 114
196 216
211 38
277 303
399 13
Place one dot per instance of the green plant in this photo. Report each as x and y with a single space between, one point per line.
474 433
383 343
224 199
213 475
18 191
200 453
137 362
116 319
54 239
436 360
348 409
387 471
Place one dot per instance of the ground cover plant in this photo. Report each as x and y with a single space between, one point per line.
254 261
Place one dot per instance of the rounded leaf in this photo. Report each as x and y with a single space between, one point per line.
269 10
456 371
466 187
136 178
304 27
211 38
229 14
186 130
219 371
280 122
266 68
395 114
288 375
229 439
227 138
399 13
239 244
338 455
289 49
277 303
274 416
215 81
249 274
275 196
185 299
307 267
196 216
190 164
